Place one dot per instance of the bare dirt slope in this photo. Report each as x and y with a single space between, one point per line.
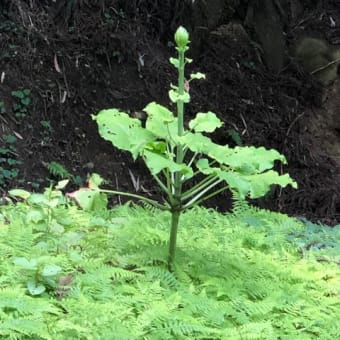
80 58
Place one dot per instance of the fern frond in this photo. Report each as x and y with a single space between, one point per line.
23 315
30 328
15 300
149 207
58 170
166 278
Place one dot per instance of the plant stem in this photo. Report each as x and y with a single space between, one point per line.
177 197
173 238
207 197
160 183
195 199
198 187
180 103
148 200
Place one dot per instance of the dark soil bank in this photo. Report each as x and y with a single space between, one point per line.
77 57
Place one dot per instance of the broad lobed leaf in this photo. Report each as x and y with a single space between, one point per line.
205 122
122 131
161 122
157 162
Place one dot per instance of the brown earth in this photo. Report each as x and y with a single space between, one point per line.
79 58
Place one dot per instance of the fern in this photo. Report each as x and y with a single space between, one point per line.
165 278
23 315
238 276
58 170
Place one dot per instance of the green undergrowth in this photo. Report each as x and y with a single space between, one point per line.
252 274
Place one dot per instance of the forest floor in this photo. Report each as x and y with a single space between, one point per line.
75 62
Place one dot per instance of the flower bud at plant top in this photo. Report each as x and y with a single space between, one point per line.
181 37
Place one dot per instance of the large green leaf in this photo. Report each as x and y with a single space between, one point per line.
255 185
197 143
205 122
161 122
157 162
160 112
234 180
245 160
90 200
261 183
20 193
259 158
122 131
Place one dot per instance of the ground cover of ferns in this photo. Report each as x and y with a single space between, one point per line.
66 273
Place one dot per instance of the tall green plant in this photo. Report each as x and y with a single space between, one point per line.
175 153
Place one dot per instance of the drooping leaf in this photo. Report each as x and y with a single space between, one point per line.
89 199
161 121
196 142
160 112
156 163
260 158
158 147
254 185
234 180
20 193
205 122
261 183
122 131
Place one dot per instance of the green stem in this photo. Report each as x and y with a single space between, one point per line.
180 103
169 186
207 197
160 183
148 200
199 186
177 201
173 239
194 200
180 126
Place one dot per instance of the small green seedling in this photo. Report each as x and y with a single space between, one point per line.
8 160
176 154
43 206
22 101
40 276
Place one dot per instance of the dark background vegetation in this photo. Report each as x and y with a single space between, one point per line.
79 56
